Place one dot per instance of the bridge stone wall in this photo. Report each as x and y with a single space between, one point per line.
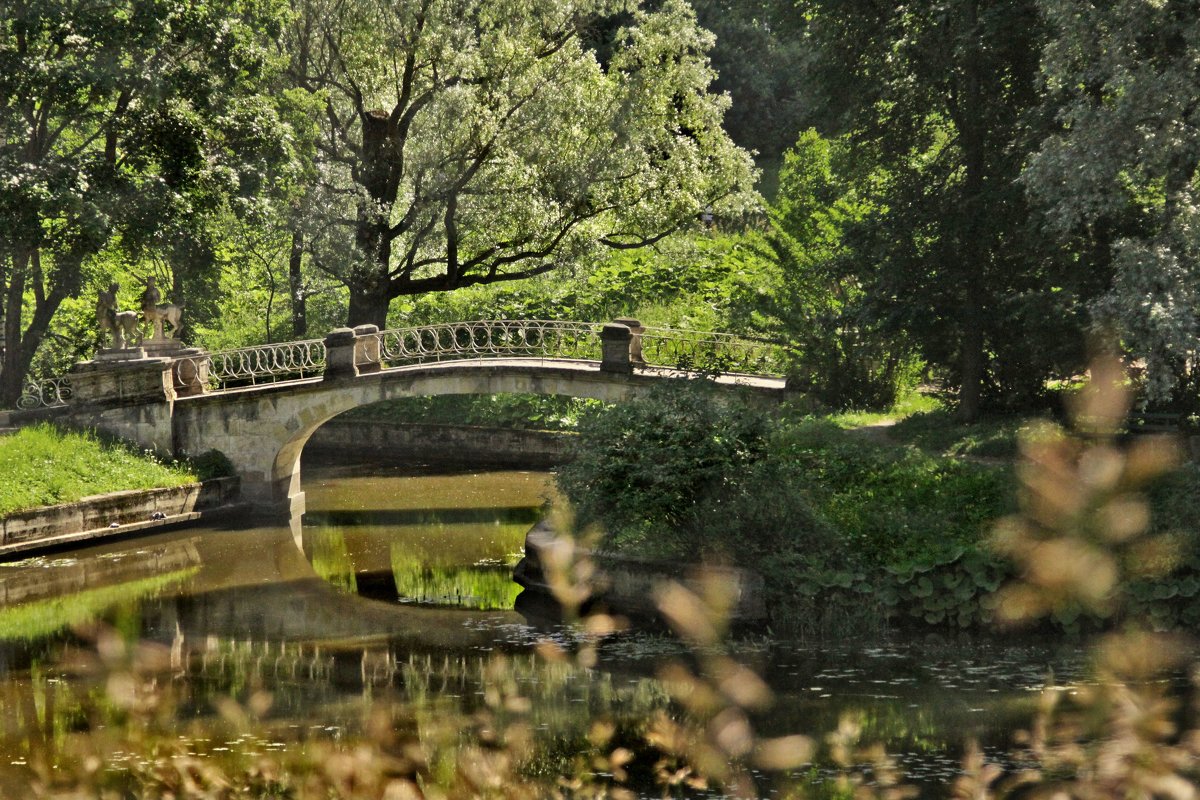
263 432
417 442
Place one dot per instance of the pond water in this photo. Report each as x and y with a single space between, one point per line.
400 591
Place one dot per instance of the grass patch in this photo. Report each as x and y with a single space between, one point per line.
913 402
937 431
893 505
42 466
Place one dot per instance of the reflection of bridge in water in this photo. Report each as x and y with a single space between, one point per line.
231 587
260 405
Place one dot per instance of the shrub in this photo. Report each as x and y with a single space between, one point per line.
212 464
645 467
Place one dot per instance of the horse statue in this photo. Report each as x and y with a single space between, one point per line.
155 313
121 325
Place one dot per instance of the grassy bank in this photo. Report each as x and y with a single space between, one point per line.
43 466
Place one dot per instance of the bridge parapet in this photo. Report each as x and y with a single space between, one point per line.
371 350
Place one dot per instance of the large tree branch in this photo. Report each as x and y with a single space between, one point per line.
438 283
638 240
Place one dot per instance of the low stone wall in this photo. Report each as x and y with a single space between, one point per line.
440 444
628 585
129 510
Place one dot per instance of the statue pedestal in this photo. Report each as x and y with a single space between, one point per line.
122 381
164 347
110 354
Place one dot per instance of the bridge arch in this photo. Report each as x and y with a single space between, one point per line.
263 432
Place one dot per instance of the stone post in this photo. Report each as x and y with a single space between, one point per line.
635 342
191 375
366 349
340 354
614 348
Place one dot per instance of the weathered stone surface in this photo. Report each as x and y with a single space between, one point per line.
126 508
366 349
635 338
263 430
457 444
122 382
614 348
340 354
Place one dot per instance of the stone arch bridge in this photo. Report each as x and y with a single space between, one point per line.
260 405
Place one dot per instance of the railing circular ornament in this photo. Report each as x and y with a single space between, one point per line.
489 338
49 393
249 366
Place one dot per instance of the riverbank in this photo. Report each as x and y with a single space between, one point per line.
855 532
114 514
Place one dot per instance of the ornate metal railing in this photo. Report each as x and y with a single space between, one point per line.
48 393
489 338
250 366
550 339
710 352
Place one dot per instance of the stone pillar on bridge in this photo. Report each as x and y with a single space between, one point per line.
615 340
122 377
350 352
128 397
636 330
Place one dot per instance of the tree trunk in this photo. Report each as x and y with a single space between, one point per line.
13 369
973 256
367 306
296 287
20 348
370 295
971 361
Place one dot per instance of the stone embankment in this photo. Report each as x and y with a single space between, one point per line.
419 443
115 514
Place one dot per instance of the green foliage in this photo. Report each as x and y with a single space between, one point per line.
893 505
760 48
482 142
938 431
1118 177
709 281
839 527
212 464
840 355
41 466
941 109
526 412
645 468
135 123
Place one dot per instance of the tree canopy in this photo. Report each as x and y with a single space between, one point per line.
117 119
477 142
979 186
1119 177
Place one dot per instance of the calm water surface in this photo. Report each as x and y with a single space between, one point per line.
398 585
